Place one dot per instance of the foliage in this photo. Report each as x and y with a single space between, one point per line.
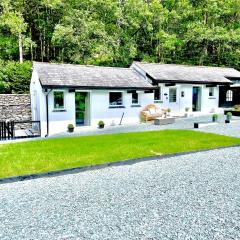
113 32
187 109
56 154
15 77
70 126
101 123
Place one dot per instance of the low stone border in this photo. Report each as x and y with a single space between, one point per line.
101 166
204 124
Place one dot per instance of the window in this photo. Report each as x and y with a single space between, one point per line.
135 98
158 94
229 96
58 100
115 99
172 95
211 92
35 99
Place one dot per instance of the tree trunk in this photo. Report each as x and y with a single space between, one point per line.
20 48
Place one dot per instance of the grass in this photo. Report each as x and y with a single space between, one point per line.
56 154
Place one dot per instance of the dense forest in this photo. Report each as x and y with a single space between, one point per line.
114 33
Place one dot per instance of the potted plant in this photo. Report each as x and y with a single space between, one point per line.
70 128
228 117
168 111
101 124
186 111
214 117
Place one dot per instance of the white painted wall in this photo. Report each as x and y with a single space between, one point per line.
38 113
208 104
98 106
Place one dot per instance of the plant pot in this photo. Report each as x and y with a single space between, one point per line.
101 126
227 121
228 118
186 115
214 119
70 130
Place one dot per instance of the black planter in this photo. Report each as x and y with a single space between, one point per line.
71 130
101 126
214 119
227 121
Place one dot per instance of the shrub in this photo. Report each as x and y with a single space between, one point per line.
169 110
101 123
214 117
70 126
187 109
15 77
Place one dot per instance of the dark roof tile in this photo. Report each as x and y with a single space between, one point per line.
71 75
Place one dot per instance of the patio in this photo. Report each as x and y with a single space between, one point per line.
231 129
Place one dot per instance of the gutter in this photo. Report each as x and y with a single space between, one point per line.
47 113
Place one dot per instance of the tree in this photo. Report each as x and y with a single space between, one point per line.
15 22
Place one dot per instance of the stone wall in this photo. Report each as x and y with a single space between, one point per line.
15 107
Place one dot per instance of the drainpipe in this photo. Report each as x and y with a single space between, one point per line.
47 113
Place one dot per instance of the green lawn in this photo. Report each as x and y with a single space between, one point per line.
55 154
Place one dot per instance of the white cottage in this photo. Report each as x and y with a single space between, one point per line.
63 94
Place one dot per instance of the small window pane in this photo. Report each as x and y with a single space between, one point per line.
157 94
211 92
115 98
134 98
58 100
172 95
229 96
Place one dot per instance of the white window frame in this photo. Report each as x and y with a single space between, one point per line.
112 105
64 101
169 94
229 95
160 94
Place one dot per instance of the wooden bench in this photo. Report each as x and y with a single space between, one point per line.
151 112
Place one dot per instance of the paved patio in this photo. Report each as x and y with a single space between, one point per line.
232 129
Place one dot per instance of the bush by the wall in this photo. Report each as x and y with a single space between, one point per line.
15 77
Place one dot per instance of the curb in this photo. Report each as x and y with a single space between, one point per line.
103 165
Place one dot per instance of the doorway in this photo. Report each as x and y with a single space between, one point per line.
81 99
196 99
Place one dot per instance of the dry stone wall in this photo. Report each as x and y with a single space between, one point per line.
16 107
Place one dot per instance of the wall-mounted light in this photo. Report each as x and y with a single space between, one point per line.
182 94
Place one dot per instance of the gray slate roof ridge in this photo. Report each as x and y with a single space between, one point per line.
82 65
184 65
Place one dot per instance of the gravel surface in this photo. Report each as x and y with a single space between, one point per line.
195 196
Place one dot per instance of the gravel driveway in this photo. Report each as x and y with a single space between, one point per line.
195 196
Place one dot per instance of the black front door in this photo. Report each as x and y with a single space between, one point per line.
80 103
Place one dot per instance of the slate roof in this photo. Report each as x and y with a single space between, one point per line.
89 77
188 74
